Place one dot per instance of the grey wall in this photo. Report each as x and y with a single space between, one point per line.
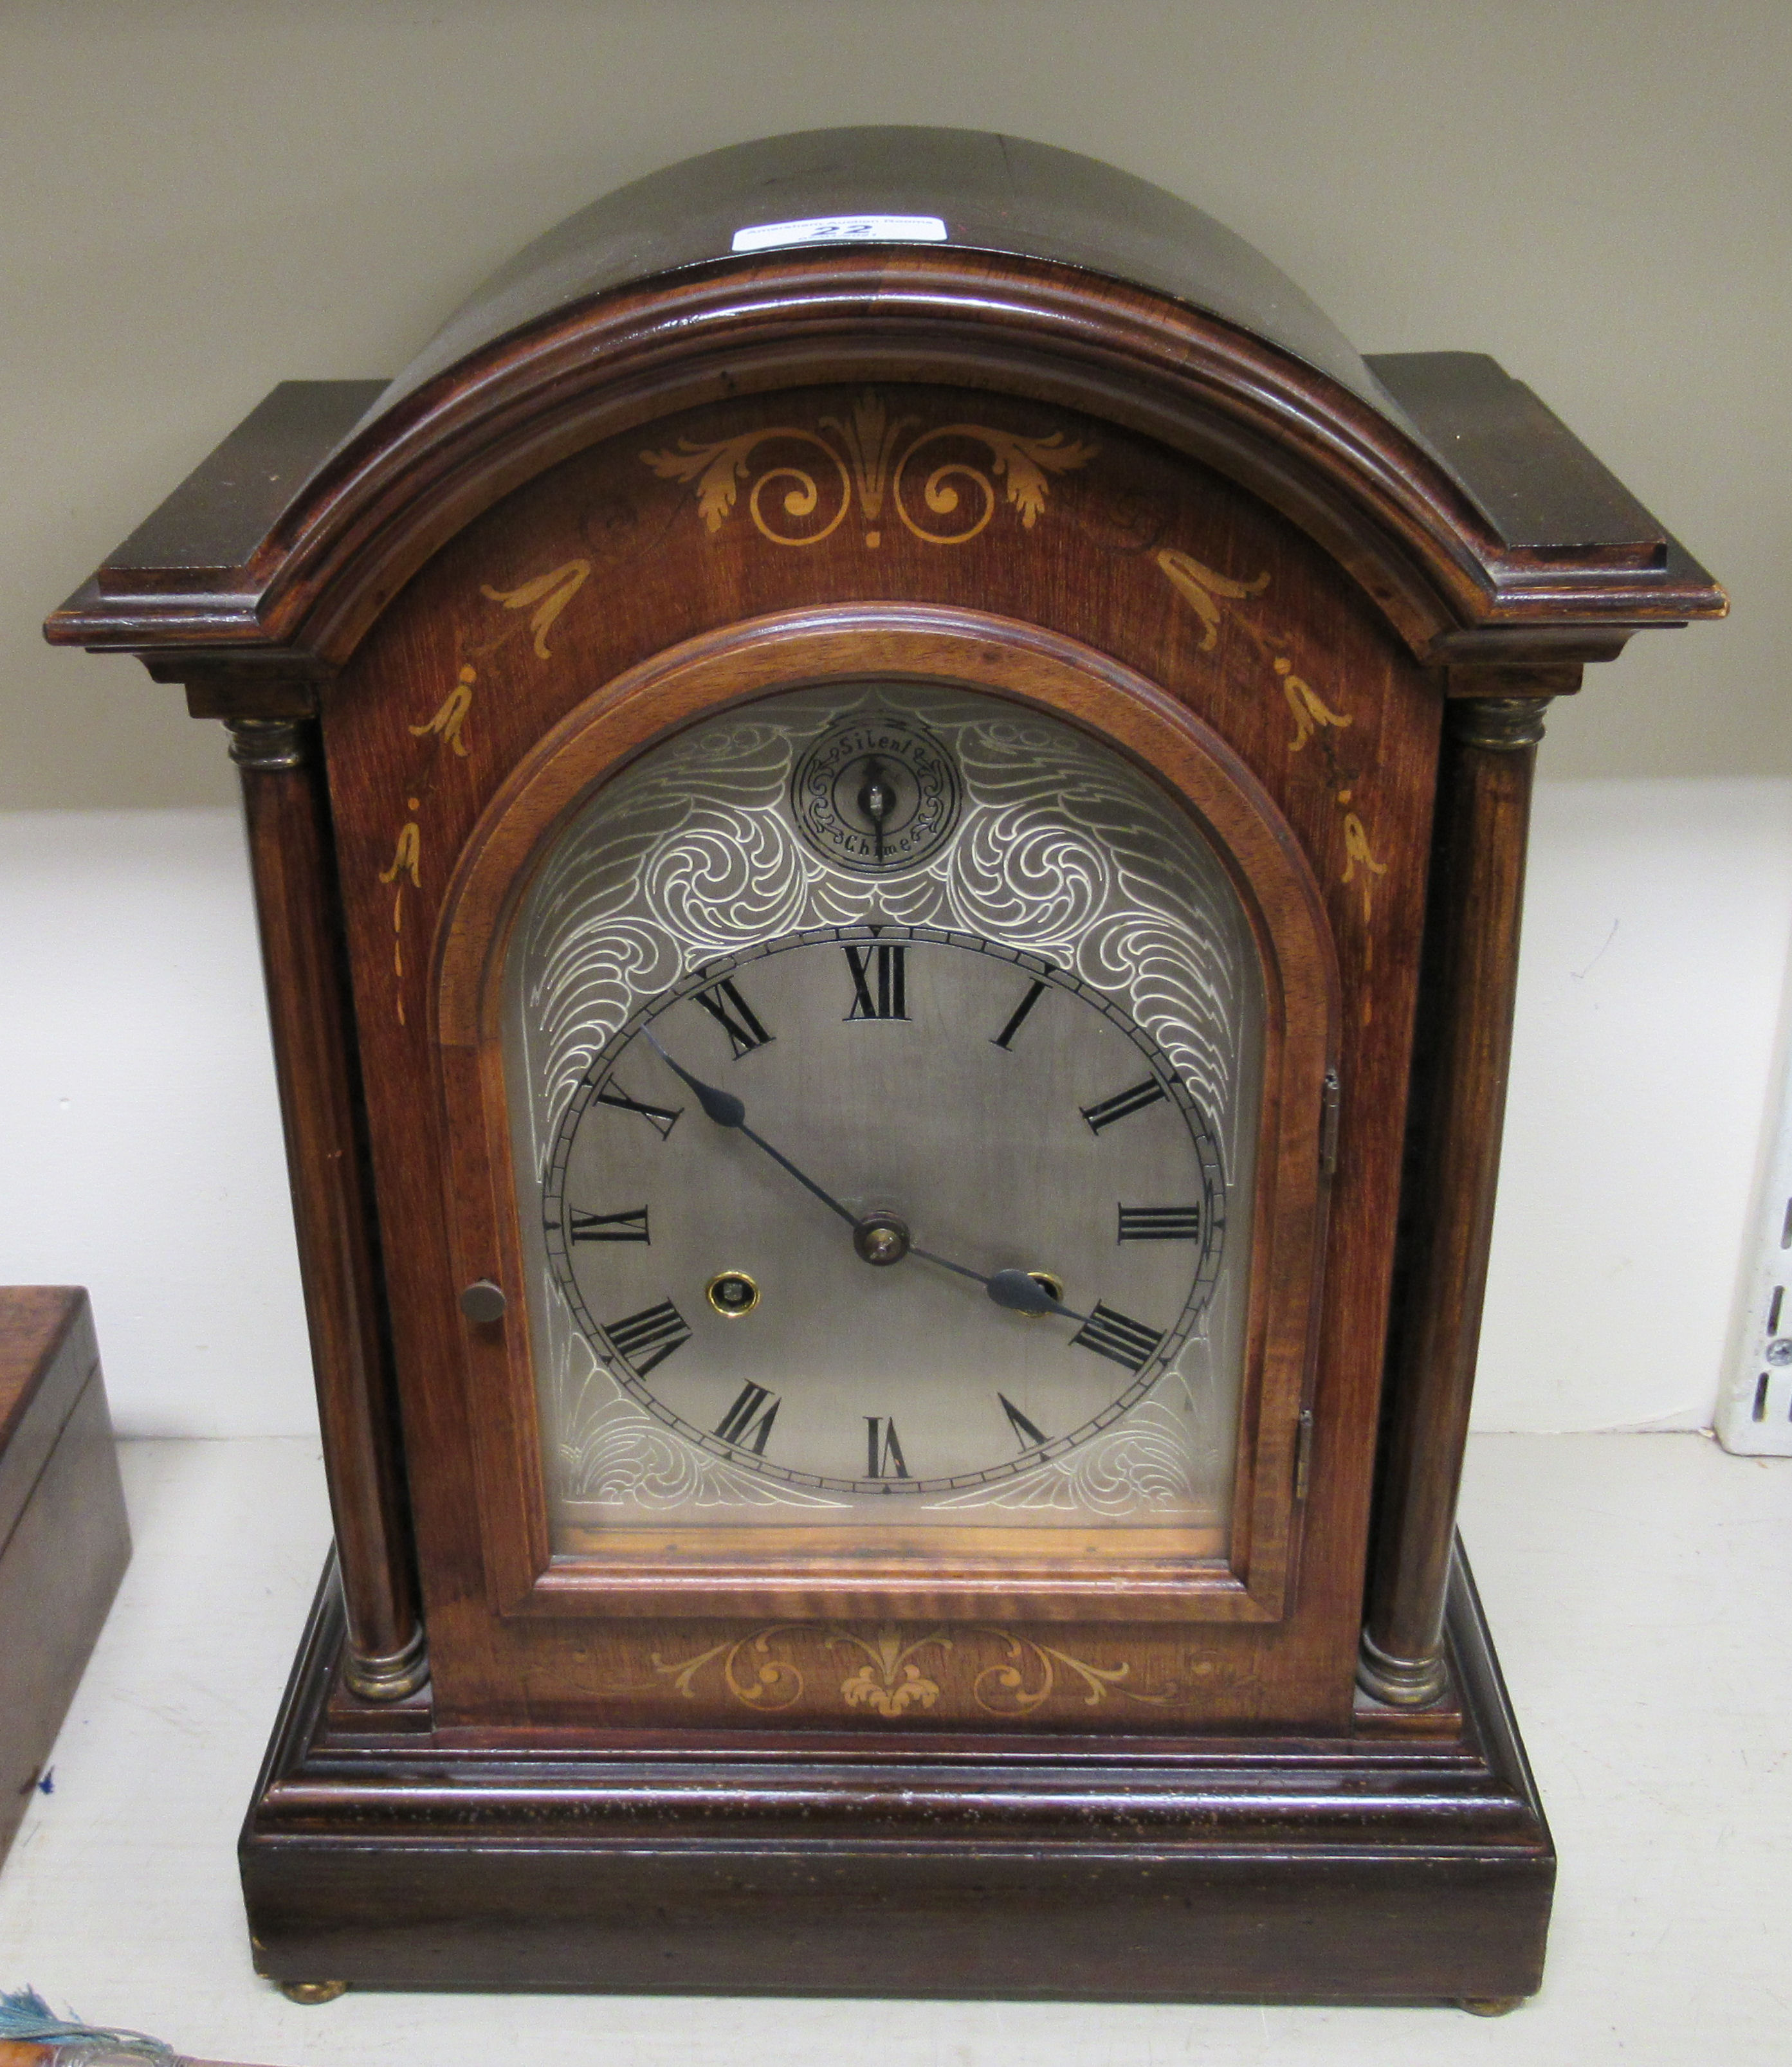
201 199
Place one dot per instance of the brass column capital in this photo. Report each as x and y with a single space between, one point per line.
269 743
1498 725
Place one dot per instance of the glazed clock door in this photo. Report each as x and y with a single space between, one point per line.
885 1086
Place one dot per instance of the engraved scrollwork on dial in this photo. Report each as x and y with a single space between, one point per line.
1142 1465
875 794
1057 848
613 1451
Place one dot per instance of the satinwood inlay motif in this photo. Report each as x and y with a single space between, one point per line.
1207 592
862 460
893 1671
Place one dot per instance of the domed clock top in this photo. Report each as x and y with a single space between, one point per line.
1471 516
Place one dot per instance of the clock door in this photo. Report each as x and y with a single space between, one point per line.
900 1113
883 1065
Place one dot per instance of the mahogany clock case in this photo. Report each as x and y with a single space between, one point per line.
1091 459
784 619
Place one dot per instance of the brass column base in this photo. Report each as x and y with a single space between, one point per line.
388 1675
1401 1683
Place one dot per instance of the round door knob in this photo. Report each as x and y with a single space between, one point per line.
484 1302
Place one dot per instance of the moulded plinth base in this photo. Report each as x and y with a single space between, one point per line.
1395 1866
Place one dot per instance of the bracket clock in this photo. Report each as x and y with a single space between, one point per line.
887 797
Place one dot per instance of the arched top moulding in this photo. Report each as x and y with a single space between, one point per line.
1473 518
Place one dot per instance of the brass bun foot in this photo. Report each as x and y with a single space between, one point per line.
1491 2005
312 1991
391 1675
1401 1683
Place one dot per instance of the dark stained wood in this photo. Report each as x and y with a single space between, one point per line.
1545 492
64 1541
290 852
221 512
1375 1869
1471 985
993 194
1503 680
253 690
46 1355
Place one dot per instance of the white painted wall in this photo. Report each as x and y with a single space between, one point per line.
143 1150
204 197
1654 962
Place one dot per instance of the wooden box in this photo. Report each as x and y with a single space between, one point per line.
64 1542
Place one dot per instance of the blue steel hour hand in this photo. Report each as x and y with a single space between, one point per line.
1012 1290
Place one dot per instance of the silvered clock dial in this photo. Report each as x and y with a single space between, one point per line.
884 1059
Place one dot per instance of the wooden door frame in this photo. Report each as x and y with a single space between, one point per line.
1155 1577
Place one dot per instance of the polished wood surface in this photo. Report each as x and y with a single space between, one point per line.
1064 281
1546 495
991 194
314 1056
1202 600
213 522
1385 1867
47 1354
64 1541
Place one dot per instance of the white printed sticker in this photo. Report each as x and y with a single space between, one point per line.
843 229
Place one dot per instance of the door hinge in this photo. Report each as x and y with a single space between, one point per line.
1331 1101
1303 1451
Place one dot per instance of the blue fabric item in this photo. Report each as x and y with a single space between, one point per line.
25 2015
